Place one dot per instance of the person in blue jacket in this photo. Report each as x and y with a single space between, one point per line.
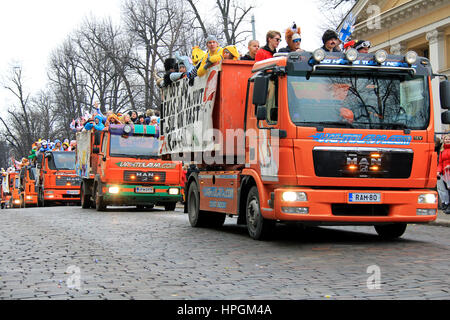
97 124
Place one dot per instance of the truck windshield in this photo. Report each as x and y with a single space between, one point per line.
134 146
367 102
62 161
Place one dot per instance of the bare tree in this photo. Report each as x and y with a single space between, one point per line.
232 25
334 11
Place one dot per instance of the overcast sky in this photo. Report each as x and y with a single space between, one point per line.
31 29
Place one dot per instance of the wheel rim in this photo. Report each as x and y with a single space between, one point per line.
252 213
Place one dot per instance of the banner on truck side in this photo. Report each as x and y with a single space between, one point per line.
187 124
83 154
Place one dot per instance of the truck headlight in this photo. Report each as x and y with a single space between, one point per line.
174 191
319 55
290 196
114 190
428 198
380 56
351 54
411 57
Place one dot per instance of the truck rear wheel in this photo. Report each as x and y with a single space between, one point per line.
391 231
86 202
197 217
258 227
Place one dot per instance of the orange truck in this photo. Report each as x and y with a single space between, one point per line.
28 194
56 181
10 190
122 167
314 138
14 190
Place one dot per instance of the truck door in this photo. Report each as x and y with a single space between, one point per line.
267 124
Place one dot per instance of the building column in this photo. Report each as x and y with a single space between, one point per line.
398 48
437 54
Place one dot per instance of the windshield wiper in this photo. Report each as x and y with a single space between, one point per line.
324 124
398 125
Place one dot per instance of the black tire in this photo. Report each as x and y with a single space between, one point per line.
100 205
258 227
86 201
197 217
391 231
140 207
170 206
22 202
151 206
3 206
41 201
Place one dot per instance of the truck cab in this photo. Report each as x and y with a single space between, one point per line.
56 179
325 139
14 190
121 167
28 194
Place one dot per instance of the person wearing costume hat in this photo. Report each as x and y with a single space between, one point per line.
231 53
330 41
65 146
362 46
293 39
213 56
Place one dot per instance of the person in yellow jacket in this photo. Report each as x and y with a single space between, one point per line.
214 55
231 53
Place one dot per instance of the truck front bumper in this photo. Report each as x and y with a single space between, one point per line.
62 195
141 195
352 207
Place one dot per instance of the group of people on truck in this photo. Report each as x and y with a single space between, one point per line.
199 62
100 122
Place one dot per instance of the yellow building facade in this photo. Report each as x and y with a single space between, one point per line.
398 26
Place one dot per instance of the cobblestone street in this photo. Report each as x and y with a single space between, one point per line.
131 254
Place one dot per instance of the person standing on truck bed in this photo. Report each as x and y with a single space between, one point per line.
214 55
253 47
330 41
273 39
293 38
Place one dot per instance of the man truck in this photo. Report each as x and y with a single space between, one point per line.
121 167
320 138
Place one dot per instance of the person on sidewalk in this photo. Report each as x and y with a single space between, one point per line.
443 172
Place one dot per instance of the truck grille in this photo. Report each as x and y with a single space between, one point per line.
144 176
64 180
337 162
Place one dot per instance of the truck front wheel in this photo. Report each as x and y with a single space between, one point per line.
258 227
170 206
391 231
99 202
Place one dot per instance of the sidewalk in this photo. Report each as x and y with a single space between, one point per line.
442 220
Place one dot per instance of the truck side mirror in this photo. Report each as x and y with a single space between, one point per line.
445 117
444 88
260 89
261 113
96 150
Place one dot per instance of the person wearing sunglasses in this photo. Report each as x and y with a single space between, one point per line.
273 39
293 38
362 46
